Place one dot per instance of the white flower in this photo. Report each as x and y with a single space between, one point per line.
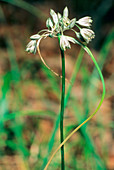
66 22
85 21
32 46
64 42
87 34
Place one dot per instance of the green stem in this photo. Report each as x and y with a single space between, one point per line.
62 108
101 76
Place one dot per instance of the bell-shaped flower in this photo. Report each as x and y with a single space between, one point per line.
87 34
32 47
85 21
64 42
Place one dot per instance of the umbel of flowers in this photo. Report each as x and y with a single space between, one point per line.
57 25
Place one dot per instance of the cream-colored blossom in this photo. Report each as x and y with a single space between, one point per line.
32 46
64 42
85 21
87 34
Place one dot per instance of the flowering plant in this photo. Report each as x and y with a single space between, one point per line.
56 26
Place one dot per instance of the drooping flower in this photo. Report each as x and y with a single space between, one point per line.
85 21
87 34
32 46
64 42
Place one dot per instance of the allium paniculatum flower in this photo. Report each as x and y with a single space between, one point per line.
87 34
64 41
85 21
57 25
32 46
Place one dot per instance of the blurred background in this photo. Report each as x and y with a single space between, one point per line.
30 94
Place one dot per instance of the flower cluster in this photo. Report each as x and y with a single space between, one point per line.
57 24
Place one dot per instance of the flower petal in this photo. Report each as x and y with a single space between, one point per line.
59 16
65 12
72 23
71 39
54 16
49 23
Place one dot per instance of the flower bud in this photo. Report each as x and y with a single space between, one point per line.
35 37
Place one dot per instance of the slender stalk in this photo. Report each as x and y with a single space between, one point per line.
62 108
